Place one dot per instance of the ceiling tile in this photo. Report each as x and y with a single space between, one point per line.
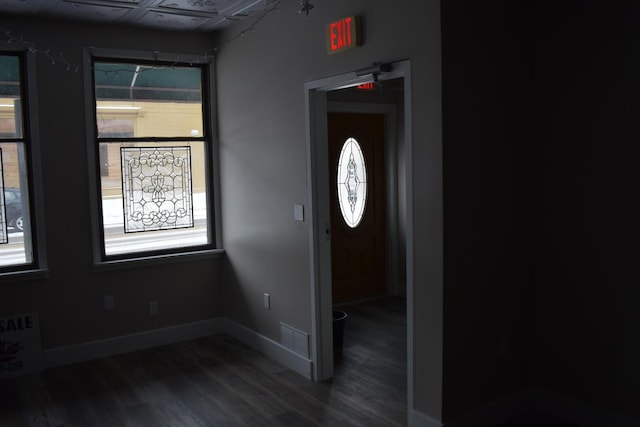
100 11
172 21
186 15
202 6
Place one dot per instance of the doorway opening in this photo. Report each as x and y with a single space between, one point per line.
359 202
339 95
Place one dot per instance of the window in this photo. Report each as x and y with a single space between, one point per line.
153 158
18 244
352 182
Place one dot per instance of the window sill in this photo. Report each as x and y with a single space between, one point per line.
24 275
160 259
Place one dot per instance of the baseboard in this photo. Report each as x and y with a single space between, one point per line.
494 412
269 348
127 343
67 355
418 419
576 412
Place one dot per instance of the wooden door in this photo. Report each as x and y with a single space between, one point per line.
358 248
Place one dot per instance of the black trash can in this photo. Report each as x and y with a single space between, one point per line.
339 319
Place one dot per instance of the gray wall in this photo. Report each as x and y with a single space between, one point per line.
261 80
70 301
585 318
540 149
487 202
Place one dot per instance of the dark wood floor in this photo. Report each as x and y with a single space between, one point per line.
373 365
217 381
535 419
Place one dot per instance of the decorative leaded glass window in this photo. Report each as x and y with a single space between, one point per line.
157 188
4 235
352 182
153 157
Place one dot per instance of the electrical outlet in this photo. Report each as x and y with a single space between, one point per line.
267 301
108 302
153 308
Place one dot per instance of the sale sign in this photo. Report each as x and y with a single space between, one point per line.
20 345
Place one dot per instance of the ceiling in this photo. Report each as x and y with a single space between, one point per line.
178 15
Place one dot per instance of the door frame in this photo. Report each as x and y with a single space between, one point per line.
316 106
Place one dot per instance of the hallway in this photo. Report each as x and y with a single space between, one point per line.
373 365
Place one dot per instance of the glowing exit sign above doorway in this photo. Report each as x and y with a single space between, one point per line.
343 34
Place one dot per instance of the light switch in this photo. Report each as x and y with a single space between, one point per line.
298 212
267 301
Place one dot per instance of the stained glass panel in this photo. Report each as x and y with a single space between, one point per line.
4 234
157 193
352 182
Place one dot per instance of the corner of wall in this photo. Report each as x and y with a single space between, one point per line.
418 419
269 348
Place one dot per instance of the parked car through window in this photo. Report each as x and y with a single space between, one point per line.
13 206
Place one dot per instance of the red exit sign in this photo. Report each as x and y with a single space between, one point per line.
343 34
366 86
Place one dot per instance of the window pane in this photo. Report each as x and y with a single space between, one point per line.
15 227
158 101
164 202
10 116
16 246
352 183
154 193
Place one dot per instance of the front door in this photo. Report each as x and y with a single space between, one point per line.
357 186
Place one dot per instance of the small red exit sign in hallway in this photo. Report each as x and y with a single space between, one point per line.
343 34
367 86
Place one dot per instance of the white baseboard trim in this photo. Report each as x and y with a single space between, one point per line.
269 347
576 412
418 419
494 412
67 355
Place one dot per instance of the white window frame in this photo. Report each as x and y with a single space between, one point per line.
35 235
214 249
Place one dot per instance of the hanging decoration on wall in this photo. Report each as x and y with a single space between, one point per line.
269 8
55 59
305 7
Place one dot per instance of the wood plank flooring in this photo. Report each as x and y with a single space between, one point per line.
535 419
217 381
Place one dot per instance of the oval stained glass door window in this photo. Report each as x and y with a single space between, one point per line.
352 182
